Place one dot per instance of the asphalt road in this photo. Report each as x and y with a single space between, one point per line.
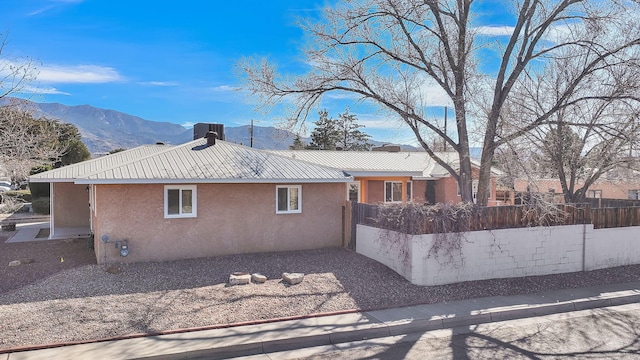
604 333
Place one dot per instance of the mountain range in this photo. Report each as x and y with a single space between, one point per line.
105 130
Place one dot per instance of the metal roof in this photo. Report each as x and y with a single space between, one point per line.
71 172
376 163
195 162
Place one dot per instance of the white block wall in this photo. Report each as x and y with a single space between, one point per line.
504 253
607 248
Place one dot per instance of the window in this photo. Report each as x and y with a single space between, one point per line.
180 201
288 199
594 194
393 191
634 194
353 191
474 190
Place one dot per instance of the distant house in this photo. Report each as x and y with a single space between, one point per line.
395 176
203 198
605 188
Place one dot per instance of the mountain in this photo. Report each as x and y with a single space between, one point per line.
105 130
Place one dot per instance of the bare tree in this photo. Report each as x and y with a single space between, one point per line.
387 51
15 73
26 142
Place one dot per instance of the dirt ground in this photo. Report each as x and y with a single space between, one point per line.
40 259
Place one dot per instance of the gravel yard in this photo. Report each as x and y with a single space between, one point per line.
85 302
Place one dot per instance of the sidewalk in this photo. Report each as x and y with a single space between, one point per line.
334 329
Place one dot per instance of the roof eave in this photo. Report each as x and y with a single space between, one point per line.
207 181
360 173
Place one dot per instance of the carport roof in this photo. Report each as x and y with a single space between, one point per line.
193 162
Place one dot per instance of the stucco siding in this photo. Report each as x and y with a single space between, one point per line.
70 205
232 219
375 192
418 190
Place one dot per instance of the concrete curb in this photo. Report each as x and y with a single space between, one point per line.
297 334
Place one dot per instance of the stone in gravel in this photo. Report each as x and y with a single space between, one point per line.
15 263
239 278
258 278
113 269
292 278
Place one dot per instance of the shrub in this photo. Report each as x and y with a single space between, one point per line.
39 190
41 205
9 204
24 195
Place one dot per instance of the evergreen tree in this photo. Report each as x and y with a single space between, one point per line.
298 144
351 138
326 134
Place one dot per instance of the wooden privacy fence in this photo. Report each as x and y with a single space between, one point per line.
615 217
505 217
612 203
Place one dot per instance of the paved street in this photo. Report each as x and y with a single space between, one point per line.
611 333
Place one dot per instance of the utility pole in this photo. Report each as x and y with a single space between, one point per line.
251 134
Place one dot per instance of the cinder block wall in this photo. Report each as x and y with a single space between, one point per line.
502 253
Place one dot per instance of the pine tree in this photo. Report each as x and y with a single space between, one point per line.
351 138
326 134
298 144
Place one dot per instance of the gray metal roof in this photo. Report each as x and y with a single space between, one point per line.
372 163
418 165
74 171
195 162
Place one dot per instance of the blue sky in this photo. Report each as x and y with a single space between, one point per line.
167 61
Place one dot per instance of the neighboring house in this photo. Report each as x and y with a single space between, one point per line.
605 188
394 176
199 199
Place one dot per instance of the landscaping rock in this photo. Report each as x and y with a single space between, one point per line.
15 263
258 278
292 278
239 278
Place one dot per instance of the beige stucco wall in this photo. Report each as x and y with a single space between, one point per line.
418 189
232 219
70 205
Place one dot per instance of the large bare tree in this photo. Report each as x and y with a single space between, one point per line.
387 52
15 72
26 142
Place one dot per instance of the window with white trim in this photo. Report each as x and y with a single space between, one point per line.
594 194
353 191
474 190
288 199
393 191
180 201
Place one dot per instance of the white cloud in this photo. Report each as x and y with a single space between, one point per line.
223 88
87 74
160 83
43 90
187 125
555 33
494 30
54 4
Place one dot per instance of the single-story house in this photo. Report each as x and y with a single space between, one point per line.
605 188
203 198
395 176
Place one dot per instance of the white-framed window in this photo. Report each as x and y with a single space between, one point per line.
288 199
180 201
353 191
634 194
474 190
393 191
594 194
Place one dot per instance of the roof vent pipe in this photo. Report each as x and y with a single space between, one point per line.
211 138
